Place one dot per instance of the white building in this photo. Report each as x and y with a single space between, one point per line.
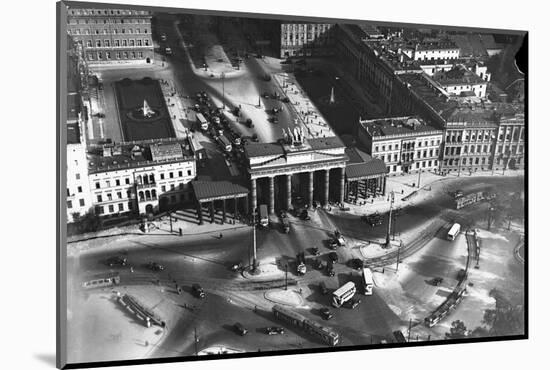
306 39
405 144
141 177
459 81
78 186
437 51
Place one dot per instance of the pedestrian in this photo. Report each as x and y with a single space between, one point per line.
221 235
131 269
402 191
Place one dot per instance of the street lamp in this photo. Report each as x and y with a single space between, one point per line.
388 242
223 89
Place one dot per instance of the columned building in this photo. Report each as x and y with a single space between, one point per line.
308 170
112 35
510 137
404 144
366 176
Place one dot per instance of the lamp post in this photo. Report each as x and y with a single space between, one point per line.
223 89
388 242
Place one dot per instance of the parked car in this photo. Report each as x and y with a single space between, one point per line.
315 251
326 314
305 215
355 263
274 330
266 95
332 244
317 264
436 281
198 291
117 261
333 256
330 268
240 329
285 100
155 266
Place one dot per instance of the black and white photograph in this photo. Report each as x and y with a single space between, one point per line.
239 184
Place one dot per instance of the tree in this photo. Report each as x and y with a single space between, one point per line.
90 222
458 330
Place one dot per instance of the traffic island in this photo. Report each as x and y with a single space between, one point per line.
290 297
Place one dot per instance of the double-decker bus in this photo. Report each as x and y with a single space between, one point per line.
368 283
325 334
343 294
453 231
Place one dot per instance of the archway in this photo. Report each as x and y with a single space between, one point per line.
148 60
149 209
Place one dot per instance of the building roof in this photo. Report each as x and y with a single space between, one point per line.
457 75
427 91
73 106
161 151
331 142
437 45
470 45
263 149
472 116
214 190
133 155
396 126
73 133
361 165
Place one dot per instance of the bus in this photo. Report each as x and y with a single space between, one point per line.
264 220
343 294
202 122
101 281
368 283
225 143
325 334
453 231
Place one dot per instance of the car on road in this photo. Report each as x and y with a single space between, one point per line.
333 256
238 266
274 330
352 303
282 213
168 51
240 329
155 266
330 268
198 291
285 99
355 263
163 37
436 281
273 119
315 251
317 264
249 123
255 138
304 215
373 220
333 244
116 261
458 194
265 95
326 314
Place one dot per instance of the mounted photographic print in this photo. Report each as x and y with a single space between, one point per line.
238 185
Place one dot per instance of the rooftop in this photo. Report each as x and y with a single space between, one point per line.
273 149
458 75
214 190
137 154
397 126
73 133
472 116
361 165
262 149
437 45
427 91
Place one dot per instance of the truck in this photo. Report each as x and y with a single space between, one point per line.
264 219
224 143
301 263
202 122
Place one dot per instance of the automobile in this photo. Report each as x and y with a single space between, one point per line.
255 138
198 291
168 51
155 266
282 214
267 77
285 99
249 123
333 256
333 244
163 37
355 263
275 110
373 220
323 288
436 281
315 251
317 264
326 314
273 119
274 330
238 266
240 329
305 215
459 194
330 268
236 111
265 95
117 261
352 303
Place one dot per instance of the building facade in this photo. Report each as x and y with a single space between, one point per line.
112 35
459 81
79 200
306 39
141 177
405 144
510 138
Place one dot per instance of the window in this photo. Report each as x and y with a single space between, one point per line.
97 186
99 198
163 188
181 186
80 189
77 176
172 186
375 149
162 176
131 42
99 210
138 42
89 43
171 175
389 147
124 42
146 42
106 43
110 196
127 180
120 207
108 55
117 43
98 43
117 182
128 193
119 194
108 182
69 204
180 173
111 208
130 206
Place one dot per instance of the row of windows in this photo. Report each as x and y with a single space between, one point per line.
410 156
473 149
79 189
422 164
456 137
118 55
142 179
409 145
465 161
109 196
510 149
118 43
81 202
106 11
109 20
105 31
111 208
